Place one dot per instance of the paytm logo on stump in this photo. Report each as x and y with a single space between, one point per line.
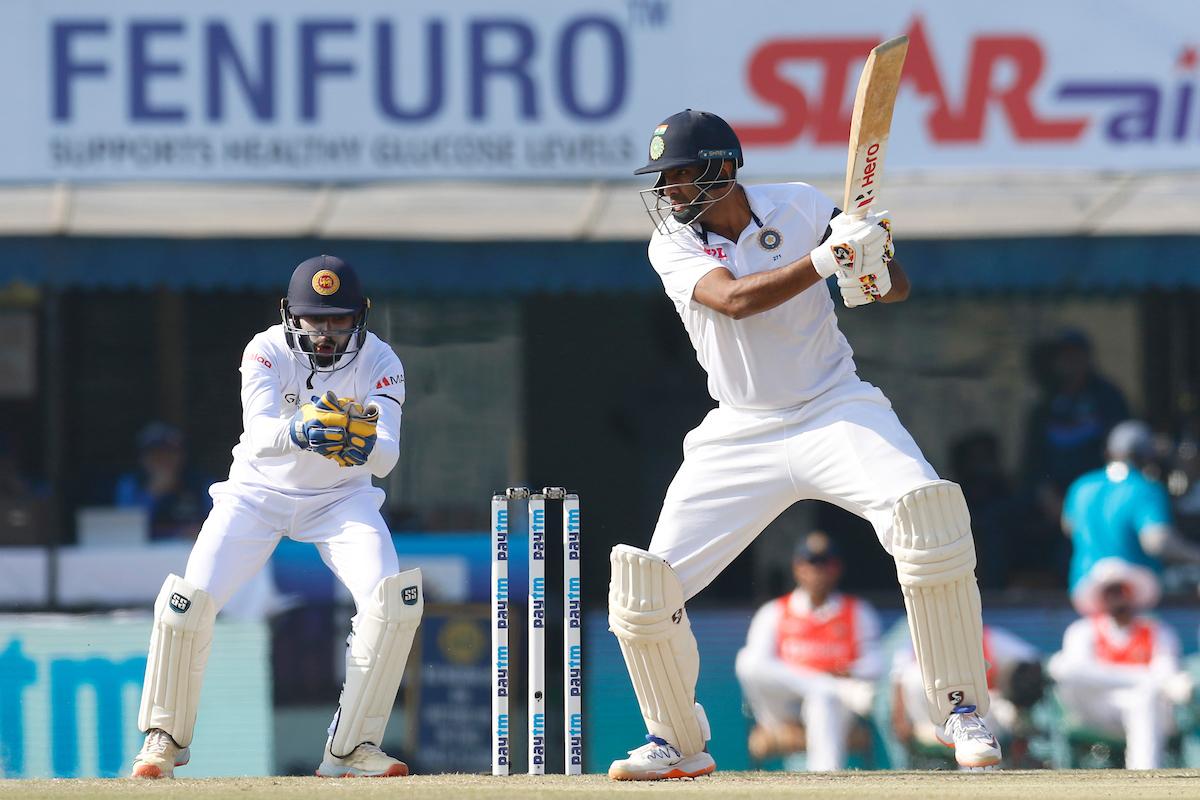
175 68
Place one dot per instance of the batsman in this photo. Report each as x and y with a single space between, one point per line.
745 267
321 409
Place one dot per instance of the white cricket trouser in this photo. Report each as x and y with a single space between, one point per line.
1140 714
779 695
742 468
247 522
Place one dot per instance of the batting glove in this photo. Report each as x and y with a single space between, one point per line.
865 289
855 246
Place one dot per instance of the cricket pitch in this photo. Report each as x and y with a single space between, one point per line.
1059 785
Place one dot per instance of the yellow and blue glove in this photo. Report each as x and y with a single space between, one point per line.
360 435
320 426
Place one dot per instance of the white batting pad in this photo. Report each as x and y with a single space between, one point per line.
179 645
935 561
383 635
645 611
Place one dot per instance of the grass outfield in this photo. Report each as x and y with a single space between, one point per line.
1073 785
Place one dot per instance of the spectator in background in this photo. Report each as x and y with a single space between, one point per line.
1015 683
809 662
1066 430
175 496
975 465
15 481
1118 512
1118 670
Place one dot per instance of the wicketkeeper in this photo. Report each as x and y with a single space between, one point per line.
321 408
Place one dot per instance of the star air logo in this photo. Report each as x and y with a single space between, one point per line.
658 145
769 239
326 283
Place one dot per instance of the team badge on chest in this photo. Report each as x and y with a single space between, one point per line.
769 239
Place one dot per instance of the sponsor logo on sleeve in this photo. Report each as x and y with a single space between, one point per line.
389 380
259 358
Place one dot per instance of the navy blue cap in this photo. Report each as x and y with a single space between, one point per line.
691 137
816 546
324 286
1073 337
159 434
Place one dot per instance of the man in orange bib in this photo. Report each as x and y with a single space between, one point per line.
809 662
1118 670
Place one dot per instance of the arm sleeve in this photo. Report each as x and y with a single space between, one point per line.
762 637
870 663
1068 508
1165 660
821 211
388 396
680 264
262 401
1153 507
1009 649
1076 662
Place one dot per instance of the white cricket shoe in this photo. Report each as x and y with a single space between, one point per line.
160 756
365 761
974 745
658 760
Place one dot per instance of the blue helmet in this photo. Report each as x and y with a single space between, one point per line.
690 138
324 286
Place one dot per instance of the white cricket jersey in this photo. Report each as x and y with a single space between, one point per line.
275 383
779 358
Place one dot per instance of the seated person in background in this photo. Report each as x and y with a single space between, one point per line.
809 662
1118 512
1118 671
1015 683
175 498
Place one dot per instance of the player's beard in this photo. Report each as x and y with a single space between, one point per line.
327 356
702 202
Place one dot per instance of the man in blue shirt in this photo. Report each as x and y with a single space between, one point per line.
1118 512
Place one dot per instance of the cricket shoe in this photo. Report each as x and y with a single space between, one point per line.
659 760
364 761
974 745
160 756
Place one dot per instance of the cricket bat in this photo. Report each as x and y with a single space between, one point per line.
870 123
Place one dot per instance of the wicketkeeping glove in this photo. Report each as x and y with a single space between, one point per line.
320 426
361 435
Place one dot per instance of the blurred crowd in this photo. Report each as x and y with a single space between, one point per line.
1017 519
825 689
